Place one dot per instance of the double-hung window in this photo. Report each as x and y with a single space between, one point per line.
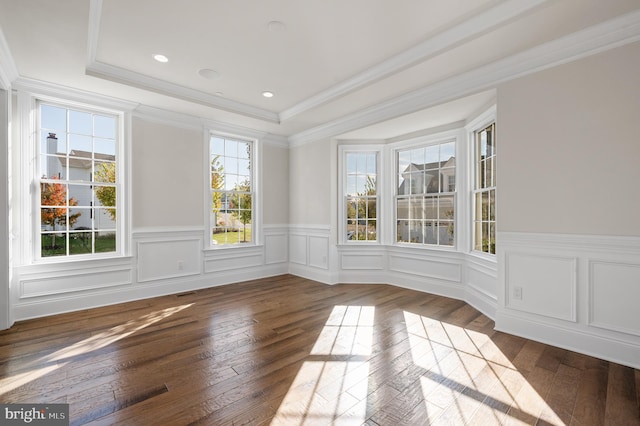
232 193
484 217
426 194
361 195
79 201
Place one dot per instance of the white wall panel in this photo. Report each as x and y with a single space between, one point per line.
276 250
426 267
161 259
353 261
546 284
614 293
233 259
298 249
319 251
39 286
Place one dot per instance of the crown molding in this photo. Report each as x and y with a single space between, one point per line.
241 131
190 122
105 71
445 40
8 69
598 38
45 89
134 79
168 118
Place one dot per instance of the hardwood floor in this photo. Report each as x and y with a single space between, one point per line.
289 351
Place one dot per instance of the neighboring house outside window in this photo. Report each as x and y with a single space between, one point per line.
361 199
425 194
484 215
231 190
78 181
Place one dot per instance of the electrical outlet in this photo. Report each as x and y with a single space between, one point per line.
517 293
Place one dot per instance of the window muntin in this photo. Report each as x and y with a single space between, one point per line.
232 190
484 220
361 199
77 180
425 194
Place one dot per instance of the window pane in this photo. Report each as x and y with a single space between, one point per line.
80 242
416 234
446 207
402 231
431 208
105 242
104 219
80 195
104 171
80 146
402 208
446 233
53 118
492 205
447 152
217 146
432 183
105 149
430 231
80 122
80 219
53 244
432 157
416 210
104 127
53 194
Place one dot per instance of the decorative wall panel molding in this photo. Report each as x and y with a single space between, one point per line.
578 292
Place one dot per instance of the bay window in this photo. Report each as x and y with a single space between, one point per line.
426 194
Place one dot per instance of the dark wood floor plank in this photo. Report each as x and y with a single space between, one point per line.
286 350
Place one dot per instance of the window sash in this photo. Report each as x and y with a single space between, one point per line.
77 181
231 191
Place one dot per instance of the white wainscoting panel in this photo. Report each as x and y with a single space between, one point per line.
426 267
362 261
169 258
481 279
73 282
232 259
546 285
319 251
614 295
276 249
578 292
298 249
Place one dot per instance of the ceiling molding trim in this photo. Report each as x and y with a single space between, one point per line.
8 69
45 89
130 78
246 132
598 38
95 16
445 40
168 118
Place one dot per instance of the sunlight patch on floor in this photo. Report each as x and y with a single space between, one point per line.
467 375
332 385
52 362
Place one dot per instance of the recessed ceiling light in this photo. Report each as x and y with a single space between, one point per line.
276 26
160 58
209 73
267 94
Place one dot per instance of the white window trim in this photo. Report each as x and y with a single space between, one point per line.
25 163
438 138
342 207
256 176
480 122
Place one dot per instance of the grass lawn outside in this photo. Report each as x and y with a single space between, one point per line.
233 237
77 244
